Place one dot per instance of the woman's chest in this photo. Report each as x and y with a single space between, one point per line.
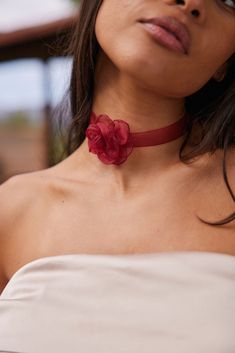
158 222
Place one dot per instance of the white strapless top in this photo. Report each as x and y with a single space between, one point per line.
172 302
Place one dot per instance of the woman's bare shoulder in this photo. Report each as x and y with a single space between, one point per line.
15 195
21 194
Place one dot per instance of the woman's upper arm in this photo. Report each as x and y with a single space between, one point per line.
5 195
9 203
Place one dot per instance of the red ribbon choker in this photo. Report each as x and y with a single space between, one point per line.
112 141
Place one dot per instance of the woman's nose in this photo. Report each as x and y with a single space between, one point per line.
196 9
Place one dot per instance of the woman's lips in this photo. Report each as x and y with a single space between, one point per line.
164 37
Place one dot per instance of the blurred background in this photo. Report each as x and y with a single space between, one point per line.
34 76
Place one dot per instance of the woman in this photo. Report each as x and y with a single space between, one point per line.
128 244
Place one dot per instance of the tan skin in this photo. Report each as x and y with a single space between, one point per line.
148 204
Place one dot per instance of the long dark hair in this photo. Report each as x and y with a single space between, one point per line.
212 107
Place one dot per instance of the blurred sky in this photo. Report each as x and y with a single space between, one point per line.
21 82
18 13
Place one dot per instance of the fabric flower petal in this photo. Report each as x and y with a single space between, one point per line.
109 139
122 130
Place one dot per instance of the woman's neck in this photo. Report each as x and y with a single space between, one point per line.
122 97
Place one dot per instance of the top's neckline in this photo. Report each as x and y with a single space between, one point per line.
137 255
158 255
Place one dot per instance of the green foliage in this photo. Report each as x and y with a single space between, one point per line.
16 120
75 1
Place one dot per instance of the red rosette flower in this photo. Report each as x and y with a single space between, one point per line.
109 139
